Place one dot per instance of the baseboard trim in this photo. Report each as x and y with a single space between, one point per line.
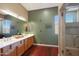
46 45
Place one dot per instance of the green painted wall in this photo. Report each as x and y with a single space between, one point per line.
42 25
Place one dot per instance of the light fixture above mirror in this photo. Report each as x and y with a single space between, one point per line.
9 12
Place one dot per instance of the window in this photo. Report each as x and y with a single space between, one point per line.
6 24
56 19
69 18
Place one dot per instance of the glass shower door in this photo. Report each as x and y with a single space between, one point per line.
71 31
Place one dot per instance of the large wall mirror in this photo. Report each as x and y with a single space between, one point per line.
11 26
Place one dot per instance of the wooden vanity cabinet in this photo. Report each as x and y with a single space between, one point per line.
18 48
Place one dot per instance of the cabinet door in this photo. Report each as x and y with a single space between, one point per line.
6 50
12 53
30 41
20 49
9 51
26 44
13 50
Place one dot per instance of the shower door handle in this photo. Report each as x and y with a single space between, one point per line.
62 51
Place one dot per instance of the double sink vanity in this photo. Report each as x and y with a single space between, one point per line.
16 45
15 38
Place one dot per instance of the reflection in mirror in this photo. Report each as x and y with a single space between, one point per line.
11 26
6 25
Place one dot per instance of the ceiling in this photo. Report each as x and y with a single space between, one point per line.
35 6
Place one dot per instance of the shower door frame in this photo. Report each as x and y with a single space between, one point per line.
61 36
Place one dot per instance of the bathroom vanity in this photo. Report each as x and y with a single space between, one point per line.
16 46
12 27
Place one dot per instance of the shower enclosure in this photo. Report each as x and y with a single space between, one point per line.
69 29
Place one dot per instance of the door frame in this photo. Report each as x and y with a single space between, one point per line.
61 36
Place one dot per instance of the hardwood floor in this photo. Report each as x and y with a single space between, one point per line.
36 50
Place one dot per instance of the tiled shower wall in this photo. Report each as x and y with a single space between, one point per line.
42 25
